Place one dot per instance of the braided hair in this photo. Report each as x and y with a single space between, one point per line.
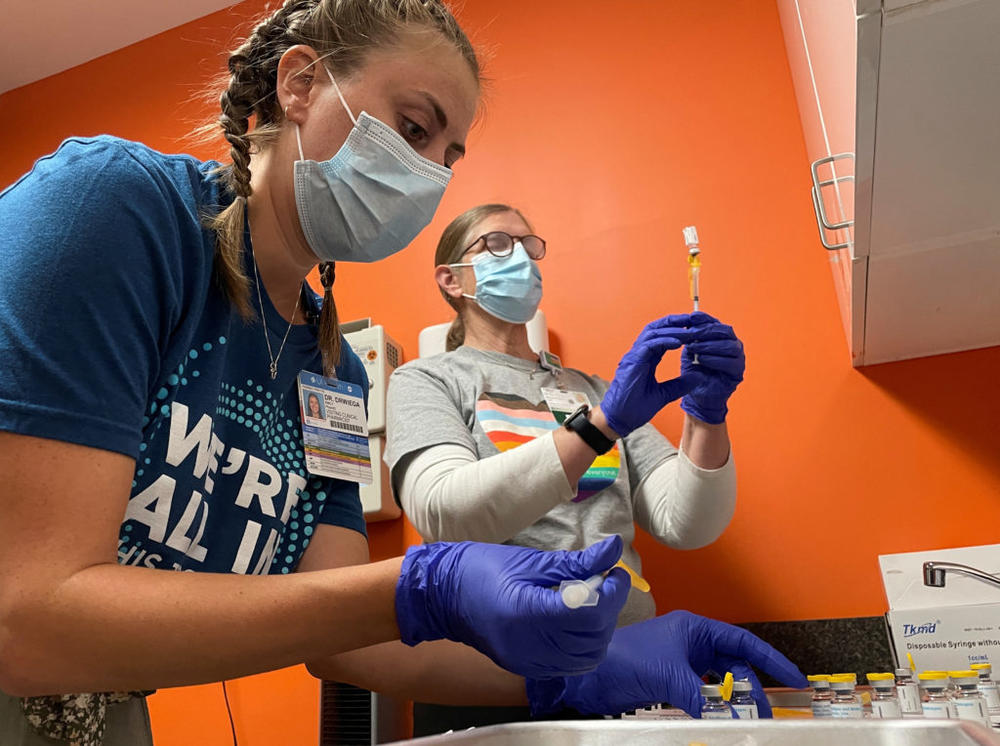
342 32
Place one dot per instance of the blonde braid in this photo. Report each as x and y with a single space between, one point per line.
329 325
249 93
229 223
456 334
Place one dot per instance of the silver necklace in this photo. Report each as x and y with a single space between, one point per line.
263 322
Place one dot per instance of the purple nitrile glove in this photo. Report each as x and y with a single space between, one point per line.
634 395
663 660
721 362
500 600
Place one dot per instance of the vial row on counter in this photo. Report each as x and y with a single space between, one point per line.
964 695
740 704
969 694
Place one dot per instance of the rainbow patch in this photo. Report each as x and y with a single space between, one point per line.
510 421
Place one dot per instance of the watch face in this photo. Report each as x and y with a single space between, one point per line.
581 411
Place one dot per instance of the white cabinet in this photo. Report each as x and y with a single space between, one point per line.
921 271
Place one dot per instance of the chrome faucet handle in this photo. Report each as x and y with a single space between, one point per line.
934 573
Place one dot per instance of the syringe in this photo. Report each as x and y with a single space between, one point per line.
694 261
577 593
694 266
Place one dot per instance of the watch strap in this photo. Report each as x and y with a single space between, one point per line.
591 435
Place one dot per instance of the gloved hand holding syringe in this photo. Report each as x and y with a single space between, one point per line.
712 365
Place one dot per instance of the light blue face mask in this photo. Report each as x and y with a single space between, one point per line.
372 198
508 287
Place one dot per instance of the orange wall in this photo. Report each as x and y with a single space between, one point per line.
612 132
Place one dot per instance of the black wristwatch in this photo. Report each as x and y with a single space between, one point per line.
579 424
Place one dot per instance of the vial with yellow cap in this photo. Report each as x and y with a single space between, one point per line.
846 703
968 702
743 702
822 695
936 702
885 703
715 707
988 687
866 710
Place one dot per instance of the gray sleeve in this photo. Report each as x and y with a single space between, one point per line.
422 410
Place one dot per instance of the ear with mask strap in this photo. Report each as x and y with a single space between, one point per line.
507 287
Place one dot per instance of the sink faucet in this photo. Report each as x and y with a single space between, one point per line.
934 573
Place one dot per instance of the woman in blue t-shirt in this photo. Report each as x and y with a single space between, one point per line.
150 416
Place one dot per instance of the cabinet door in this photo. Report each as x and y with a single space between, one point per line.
830 32
821 41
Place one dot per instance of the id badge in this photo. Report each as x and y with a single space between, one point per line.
563 403
334 428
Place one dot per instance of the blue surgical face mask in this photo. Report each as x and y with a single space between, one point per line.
508 287
372 198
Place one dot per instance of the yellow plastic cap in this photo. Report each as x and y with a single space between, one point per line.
981 666
818 677
881 677
727 686
839 678
638 582
932 675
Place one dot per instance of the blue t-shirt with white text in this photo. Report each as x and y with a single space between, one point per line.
114 334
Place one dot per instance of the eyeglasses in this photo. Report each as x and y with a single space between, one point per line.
501 244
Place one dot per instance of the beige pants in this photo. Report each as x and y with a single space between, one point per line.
127 725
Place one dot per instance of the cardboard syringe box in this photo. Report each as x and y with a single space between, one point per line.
947 637
943 628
